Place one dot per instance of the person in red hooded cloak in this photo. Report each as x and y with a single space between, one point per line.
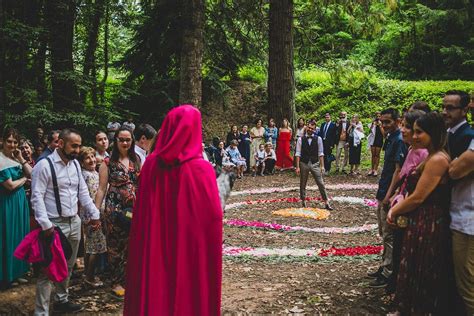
175 251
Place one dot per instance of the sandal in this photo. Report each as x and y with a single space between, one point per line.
118 292
94 284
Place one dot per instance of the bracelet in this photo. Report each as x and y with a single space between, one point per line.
24 163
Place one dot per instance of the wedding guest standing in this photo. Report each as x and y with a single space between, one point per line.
283 157
271 132
101 146
460 144
118 183
245 142
414 158
341 138
233 134
375 141
395 154
94 240
257 134
300 128
14 209
328 133
356 134
309 158
423 285
175 261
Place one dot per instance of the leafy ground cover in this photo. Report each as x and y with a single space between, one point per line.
332 281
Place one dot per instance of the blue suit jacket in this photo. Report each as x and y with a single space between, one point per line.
330 138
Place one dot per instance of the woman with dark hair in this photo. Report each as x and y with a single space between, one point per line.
244 145
356 133
375 142
120 175
414 158
233 134
424 284
14 209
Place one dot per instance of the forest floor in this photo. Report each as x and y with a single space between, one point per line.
274 270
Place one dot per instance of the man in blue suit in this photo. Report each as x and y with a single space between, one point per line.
328 133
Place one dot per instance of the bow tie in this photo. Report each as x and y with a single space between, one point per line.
309 137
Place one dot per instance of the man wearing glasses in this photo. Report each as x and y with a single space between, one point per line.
461 146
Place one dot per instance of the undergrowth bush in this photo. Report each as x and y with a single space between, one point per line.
318 92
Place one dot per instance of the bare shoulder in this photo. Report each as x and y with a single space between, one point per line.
439 161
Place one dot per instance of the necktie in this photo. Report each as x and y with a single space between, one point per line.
326 129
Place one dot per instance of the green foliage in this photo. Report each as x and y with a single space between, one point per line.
359 91
87 121
253 73
423 39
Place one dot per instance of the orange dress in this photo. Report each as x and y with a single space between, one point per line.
284 159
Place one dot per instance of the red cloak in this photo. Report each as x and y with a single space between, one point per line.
175 251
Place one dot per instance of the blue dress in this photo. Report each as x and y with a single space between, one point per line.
271 135
244 146
14 221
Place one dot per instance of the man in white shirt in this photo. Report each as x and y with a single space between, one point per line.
461 149
309 157
71 189
144 135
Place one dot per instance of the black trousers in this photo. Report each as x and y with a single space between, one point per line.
269 165
327 162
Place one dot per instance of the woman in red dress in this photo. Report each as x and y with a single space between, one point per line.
284 160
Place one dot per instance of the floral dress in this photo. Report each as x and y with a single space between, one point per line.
119 202
425 282
94 240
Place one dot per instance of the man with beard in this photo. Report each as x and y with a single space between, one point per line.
57 187
461 147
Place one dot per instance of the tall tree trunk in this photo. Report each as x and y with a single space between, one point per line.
38 68
89 69
60 16
281 78
190 85
106 51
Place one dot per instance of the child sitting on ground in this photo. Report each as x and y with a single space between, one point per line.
270 159
259 157
236 158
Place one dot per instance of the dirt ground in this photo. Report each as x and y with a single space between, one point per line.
262 286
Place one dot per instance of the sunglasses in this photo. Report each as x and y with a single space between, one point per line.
124 140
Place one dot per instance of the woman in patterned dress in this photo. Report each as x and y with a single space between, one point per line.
120 174
94 240
425 282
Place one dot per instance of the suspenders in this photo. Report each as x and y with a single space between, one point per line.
55 184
